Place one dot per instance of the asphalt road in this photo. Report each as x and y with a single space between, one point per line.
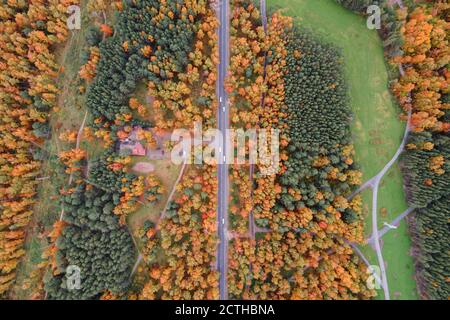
222 171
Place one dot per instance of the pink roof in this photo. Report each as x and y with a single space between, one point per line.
138 150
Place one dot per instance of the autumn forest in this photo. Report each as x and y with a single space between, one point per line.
88 187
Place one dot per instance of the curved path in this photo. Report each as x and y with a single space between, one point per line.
374 183
375 186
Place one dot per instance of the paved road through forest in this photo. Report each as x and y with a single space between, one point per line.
222 171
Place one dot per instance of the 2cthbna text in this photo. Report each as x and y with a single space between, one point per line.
232 309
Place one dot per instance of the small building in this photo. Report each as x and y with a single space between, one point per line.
138 150
135 147
133 144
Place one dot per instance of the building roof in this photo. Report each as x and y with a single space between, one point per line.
138 150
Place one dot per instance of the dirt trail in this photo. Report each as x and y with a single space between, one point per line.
80 133
169 199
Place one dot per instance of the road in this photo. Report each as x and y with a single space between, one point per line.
262 5
222 170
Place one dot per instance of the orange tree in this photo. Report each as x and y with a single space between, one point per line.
425 89
29 30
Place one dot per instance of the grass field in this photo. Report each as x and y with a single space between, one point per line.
168 173
377 130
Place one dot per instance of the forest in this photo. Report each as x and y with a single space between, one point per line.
151 43
302 219
292 234
28 32
426 164
311 216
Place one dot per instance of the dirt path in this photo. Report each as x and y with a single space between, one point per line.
140 256
77 146
80 133
169 199
163 214
394 222
374 184
138 261
252 227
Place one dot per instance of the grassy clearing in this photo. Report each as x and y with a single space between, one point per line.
377 130
141 94
168 173
237 222
396 243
